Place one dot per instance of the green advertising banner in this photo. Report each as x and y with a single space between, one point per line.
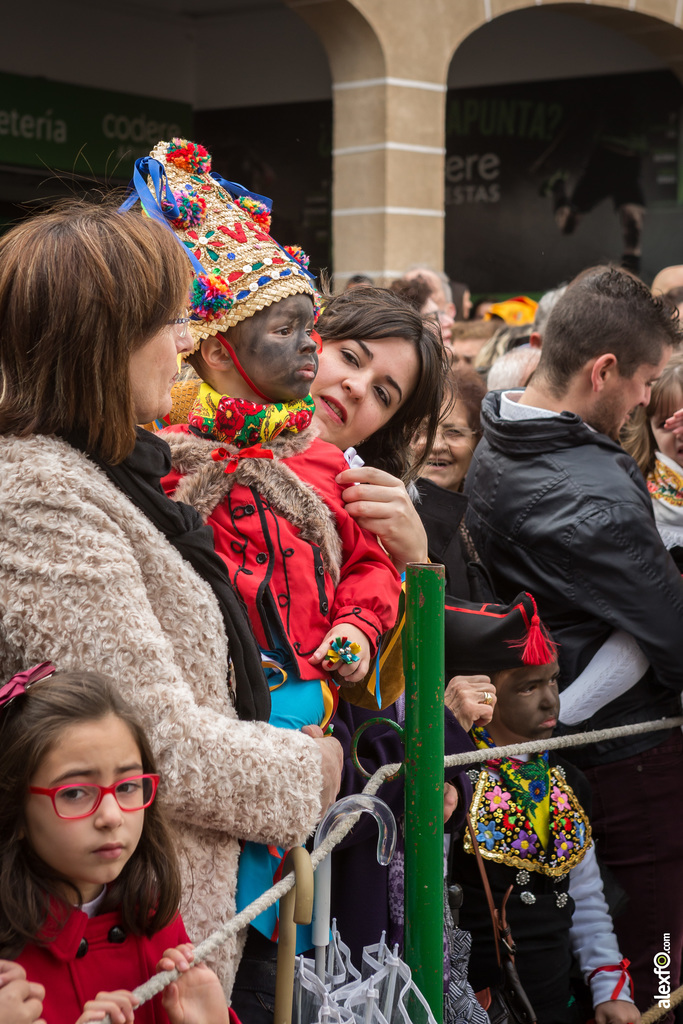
87 131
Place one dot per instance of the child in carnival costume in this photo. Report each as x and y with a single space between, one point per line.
531 823
319 590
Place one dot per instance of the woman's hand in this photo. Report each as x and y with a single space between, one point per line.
380 503
348 672
332 754
21 1001
119 1005
197 997
468 699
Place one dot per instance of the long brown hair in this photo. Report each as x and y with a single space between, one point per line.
148 889
81 288
665 399
371 314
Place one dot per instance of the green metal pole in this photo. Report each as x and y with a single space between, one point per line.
423 664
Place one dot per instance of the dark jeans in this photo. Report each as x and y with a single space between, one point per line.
638 824
253 994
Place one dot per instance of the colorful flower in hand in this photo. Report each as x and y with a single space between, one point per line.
560 799
498 799
563 846
537 789
343 649
526 845
488 834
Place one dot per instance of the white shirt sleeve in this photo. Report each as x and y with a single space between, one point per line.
614 669
592 936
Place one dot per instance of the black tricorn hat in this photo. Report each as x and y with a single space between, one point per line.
486 638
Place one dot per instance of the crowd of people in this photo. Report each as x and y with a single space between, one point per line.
212 478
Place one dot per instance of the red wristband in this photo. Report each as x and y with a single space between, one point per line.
623 967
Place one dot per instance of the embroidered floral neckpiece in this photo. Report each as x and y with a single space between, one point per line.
665 484
242 423
528 782
528 817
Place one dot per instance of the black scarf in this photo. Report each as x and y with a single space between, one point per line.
139 477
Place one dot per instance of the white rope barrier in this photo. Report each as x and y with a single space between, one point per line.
158 982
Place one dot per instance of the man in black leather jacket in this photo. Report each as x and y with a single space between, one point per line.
557 507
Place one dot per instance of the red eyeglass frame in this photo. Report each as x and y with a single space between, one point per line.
53 790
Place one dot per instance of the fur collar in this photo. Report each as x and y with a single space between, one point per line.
205 484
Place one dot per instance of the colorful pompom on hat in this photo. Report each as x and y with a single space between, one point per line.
486 638
239 268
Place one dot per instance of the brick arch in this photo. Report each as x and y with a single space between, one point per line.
654 24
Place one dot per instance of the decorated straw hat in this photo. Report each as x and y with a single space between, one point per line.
225 229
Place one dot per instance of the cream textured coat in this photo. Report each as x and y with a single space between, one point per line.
88 582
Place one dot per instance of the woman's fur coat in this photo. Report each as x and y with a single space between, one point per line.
87 582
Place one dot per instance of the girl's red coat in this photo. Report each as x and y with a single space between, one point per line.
109 960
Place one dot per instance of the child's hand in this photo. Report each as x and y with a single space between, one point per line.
616 1011
675 423
197 997
119 1005
21 1001
354 671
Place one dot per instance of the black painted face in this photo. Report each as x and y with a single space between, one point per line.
528 703
276 350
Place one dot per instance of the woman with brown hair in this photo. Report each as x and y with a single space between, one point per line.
100 571
367 335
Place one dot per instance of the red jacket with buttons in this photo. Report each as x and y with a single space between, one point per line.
268 520
91 955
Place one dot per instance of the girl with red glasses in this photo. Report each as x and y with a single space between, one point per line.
89 883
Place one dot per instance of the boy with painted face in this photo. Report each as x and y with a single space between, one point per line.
319 590
531 826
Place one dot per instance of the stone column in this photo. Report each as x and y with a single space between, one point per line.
389 61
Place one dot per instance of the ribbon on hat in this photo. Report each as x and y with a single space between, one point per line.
160 204
236 190
20 682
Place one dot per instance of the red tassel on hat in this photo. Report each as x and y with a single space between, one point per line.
536 647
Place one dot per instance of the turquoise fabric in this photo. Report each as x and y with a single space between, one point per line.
295 703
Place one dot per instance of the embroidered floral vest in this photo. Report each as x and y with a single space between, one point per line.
505 834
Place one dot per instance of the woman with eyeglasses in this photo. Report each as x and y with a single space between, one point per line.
100 571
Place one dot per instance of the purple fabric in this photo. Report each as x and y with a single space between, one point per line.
360 886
